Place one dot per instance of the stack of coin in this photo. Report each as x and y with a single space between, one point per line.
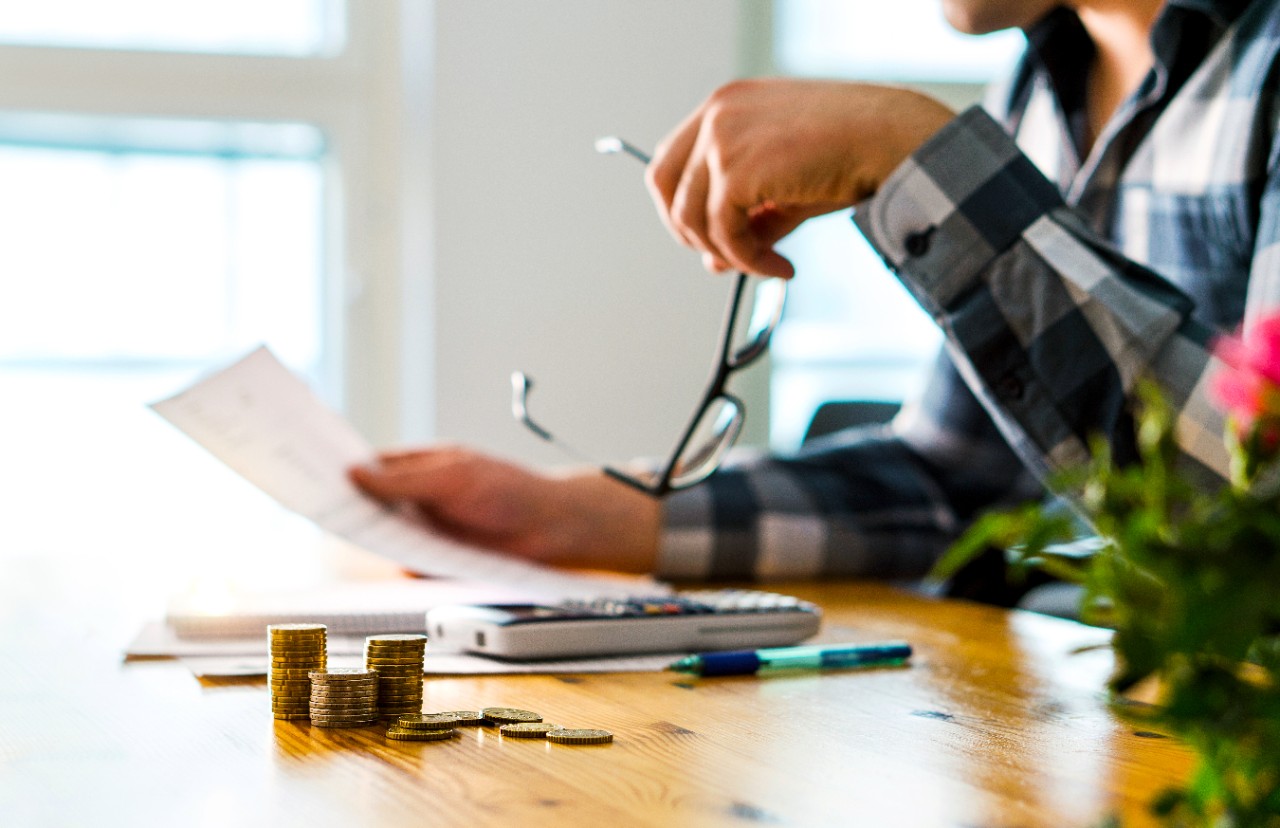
344 697
398 662
296 650
423 727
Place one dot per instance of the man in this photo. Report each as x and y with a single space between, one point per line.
1136 138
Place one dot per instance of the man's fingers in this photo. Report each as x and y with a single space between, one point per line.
670 158
689 207
736 241
421 477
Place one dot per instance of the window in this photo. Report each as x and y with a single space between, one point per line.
182 182
138 252
279 27
851 331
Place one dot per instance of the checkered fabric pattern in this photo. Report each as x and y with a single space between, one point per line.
1059 280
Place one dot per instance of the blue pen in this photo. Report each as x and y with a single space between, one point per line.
814 657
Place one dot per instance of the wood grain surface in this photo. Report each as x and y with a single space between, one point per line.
997 721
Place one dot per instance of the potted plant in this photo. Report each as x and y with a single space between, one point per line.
1189 580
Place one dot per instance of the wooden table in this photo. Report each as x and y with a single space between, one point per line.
994 723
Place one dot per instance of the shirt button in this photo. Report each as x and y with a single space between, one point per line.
1010 387
917 243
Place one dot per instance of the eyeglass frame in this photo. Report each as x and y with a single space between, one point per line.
726 363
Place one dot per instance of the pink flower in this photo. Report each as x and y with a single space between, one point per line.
1249 389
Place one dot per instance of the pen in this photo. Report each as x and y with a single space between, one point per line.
814 657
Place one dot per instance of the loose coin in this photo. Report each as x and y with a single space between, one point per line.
508 715
579 736
426 721
466 718
526 730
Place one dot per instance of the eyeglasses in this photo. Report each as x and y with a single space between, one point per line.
754 310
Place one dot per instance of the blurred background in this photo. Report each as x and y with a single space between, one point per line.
400 197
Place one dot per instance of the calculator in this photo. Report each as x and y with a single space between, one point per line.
693 621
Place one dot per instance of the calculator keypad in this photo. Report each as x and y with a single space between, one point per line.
703 602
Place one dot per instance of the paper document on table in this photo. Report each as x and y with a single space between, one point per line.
265 423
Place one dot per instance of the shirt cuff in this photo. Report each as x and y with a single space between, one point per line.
955 205
686 546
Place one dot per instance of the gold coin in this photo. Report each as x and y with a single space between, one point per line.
579 736
341 707
296 628
403 693
526 730
290 717
509 715
397 671
401 735
409 671
353 716
466 718
294 673
351 686
344 674
394 638
426 721
345 688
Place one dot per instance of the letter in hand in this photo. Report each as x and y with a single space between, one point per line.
579 519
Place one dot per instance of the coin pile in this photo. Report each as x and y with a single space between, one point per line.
344 697
397 659
511 721
296 650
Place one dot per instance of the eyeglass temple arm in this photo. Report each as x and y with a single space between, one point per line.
612 144
521 385
715 385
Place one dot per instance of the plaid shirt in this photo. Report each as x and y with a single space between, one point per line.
1040 267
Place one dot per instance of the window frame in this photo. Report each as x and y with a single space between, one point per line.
370 100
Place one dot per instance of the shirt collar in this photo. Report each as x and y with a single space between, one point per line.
1058 45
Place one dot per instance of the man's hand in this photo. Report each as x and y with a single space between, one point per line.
759 157
580 520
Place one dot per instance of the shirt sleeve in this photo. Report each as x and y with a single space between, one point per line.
880 501
1048 330
1049 324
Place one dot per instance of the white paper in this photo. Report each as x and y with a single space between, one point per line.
266 424
247 656
447 664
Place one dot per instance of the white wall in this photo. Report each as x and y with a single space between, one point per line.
549 258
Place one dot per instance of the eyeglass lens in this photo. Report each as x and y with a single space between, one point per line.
762 308
716 430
